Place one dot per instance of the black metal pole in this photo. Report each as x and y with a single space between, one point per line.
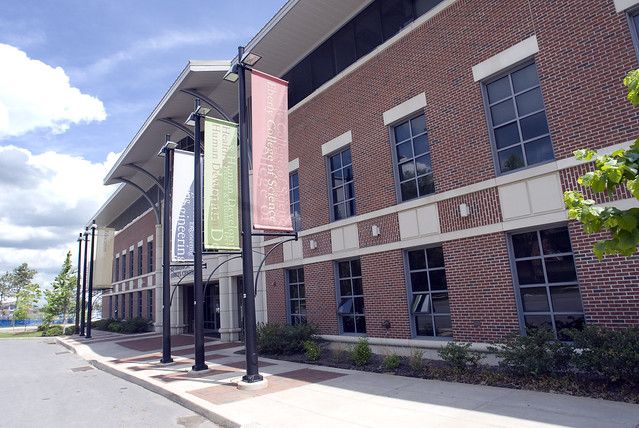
90 296
166 254
84 280
250 326
77 294
197 256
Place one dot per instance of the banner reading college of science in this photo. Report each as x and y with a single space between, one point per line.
221 230
271 203
182 220
103 258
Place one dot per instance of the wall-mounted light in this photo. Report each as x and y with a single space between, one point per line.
312 244
375 230
464 211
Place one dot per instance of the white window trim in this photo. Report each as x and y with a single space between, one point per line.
623 5
293 165
337 143
405 109
503 60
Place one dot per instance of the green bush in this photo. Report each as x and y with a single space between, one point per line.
43 327
52 330
102 324
538 353
361 353
416 360
313 350
459 356
69 330
135 325
115 326
391 362
604 352
284 339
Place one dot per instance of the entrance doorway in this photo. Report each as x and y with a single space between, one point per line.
211 309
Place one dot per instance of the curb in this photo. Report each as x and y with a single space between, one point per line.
215 417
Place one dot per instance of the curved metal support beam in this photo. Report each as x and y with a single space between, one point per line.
178 125
147 173
257 275
216 268
210 102
155 208
175 287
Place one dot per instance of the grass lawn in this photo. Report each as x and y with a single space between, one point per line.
20 333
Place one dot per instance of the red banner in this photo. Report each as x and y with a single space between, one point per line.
271 204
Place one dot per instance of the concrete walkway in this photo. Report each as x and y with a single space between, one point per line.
312 396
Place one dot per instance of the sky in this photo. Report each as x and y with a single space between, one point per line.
78 78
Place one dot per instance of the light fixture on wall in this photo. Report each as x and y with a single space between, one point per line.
312 244
464 211
375 230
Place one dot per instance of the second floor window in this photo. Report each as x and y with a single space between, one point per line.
341 185
140 260
412 157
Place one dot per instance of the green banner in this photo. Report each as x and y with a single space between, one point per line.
221 217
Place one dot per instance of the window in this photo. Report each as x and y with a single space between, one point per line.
115 307
117 269
296 296
517 120
430 308
149 314
123 266
341 185
139 304
130 305
350 297
131 262
123 311
412 158
546 280
294 196
111 314
633 21
140 260
150 257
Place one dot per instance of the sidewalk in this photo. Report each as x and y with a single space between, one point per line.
312 396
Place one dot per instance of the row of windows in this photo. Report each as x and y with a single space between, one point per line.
120 310
121 263
518 130
544 275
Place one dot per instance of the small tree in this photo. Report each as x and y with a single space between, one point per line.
20 278
6 287
26 301
60 299
619 168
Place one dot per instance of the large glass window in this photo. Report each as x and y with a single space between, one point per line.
412 159
150 256
116 307
546 280
117 269
131 263
130 305
123 266
149 314
350 297
294 196
139 304
430 308
341 185
296 296
517 120
140 259
633 21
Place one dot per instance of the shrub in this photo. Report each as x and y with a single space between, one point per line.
115 326
416 360
391 362
361 353
135 325
604 352
52 330
284 339
69 330
313 350
102 324
43 327
537 353
459 356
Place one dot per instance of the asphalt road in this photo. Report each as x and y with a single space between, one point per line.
42 384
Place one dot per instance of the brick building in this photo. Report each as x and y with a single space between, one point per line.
430 146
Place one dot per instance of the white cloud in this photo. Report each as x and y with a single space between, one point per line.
35 95
44 202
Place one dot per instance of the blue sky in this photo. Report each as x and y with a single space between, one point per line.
78 79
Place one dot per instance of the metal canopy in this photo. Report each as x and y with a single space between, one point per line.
298 28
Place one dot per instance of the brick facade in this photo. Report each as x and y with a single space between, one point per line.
585 49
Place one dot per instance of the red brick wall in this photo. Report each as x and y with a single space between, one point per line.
276 295
132 235
483 207
321 304
388 227
480 288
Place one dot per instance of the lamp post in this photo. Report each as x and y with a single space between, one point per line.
197 256
250 327
84 280
90 297
167 153
77 294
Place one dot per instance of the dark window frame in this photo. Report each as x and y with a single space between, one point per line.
350 306
131 263
517 120
297 299
632 16
140 260
349 210
123 267
117 269
149 257
294 200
